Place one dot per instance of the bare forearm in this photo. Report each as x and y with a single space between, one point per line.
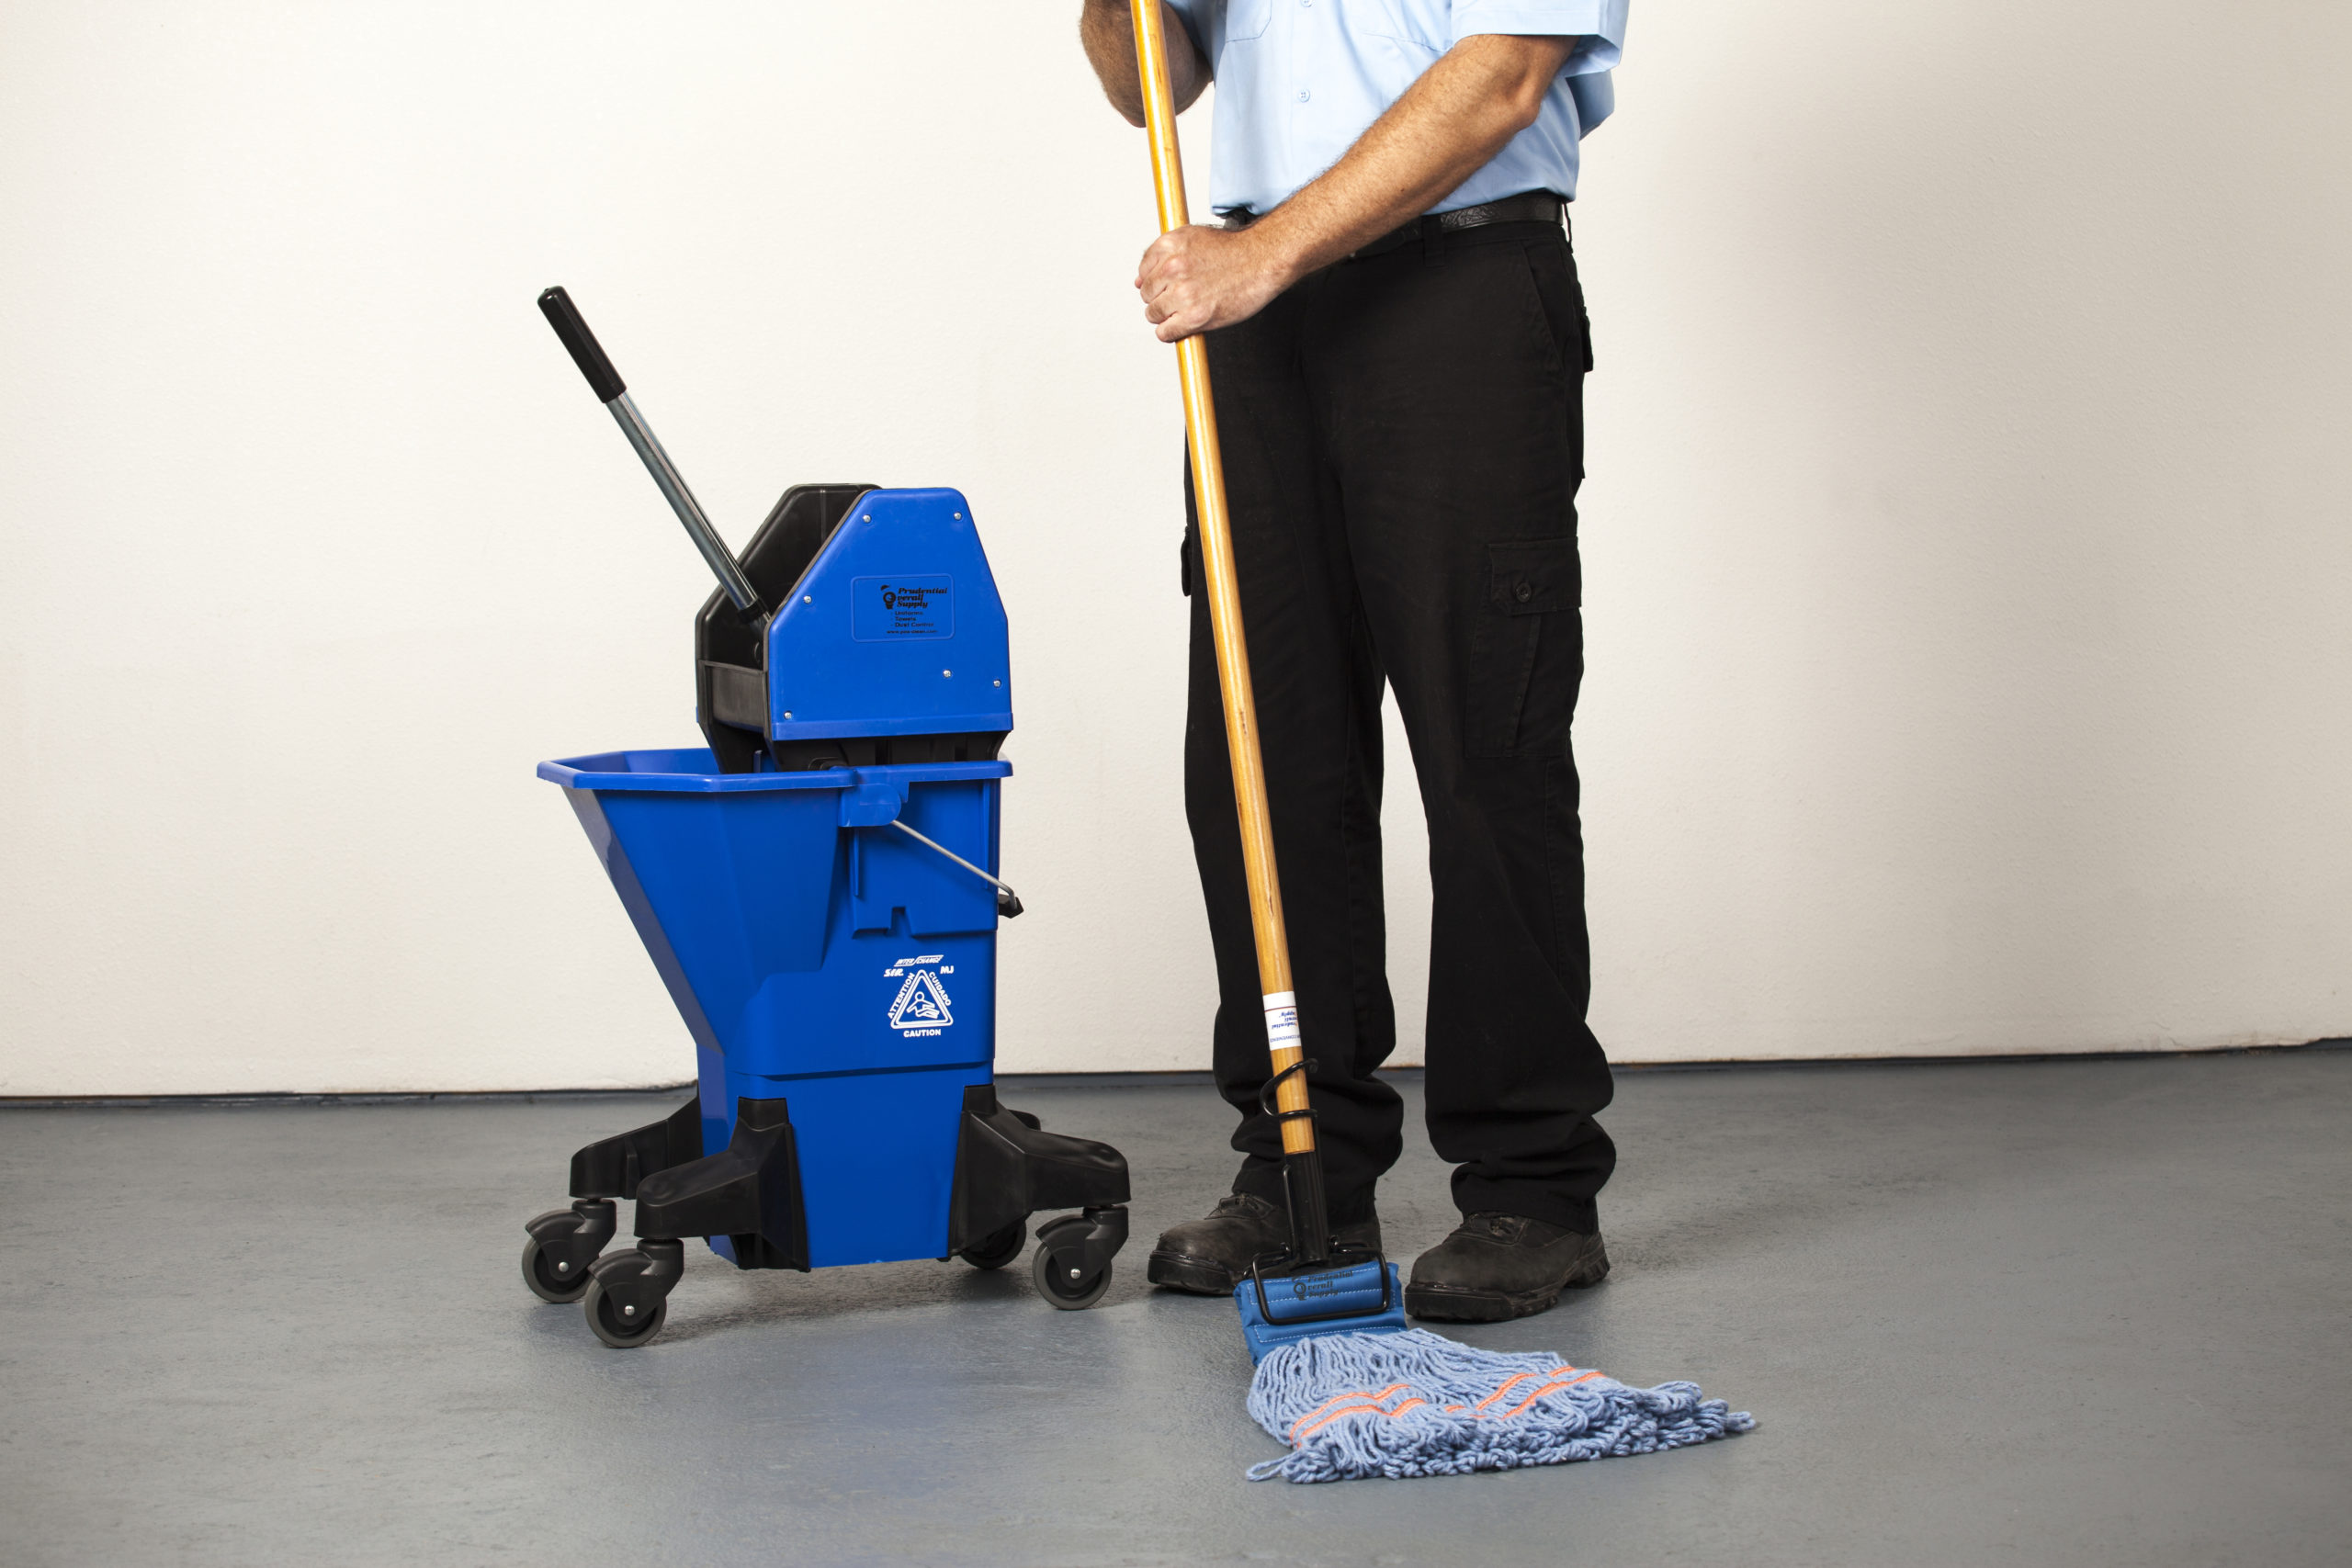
1446 126
1106 29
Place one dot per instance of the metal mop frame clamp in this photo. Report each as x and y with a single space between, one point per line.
1311 1286
1343 1263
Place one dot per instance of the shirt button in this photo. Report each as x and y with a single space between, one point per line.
1303 95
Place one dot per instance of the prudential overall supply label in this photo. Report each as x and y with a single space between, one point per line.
883 609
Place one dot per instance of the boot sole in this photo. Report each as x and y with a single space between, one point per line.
1444 1304
1193 1276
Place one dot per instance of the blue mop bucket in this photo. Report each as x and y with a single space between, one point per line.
818 889
820 956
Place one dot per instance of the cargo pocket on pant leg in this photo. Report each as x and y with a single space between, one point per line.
1526 648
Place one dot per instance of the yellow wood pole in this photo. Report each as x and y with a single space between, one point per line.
1225 610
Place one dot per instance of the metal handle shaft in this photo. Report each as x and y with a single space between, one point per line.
613 392
723 563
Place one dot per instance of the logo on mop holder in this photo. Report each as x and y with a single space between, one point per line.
921 1007
883 609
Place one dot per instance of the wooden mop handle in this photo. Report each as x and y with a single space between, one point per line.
1225 612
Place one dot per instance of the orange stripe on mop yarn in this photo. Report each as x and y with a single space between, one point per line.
1358 1393
1297 1437
1547 1388
1369 1404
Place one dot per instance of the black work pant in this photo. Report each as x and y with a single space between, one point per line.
1403 440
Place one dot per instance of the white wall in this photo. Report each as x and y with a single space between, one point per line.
1966 541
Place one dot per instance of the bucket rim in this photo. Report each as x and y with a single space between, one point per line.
675 771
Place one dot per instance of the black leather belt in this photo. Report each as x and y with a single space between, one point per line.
1528 207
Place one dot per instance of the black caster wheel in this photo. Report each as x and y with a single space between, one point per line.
1055 1284
611 1326
996 1251
546 1278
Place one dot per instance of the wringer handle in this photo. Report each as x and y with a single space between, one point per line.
613 392
1301 1167
587 352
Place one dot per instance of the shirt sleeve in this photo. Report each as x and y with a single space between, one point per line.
1189 13
1597 25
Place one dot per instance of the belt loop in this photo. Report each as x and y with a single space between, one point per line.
1433 238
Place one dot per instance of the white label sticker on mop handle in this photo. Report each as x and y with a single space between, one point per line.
1281 1020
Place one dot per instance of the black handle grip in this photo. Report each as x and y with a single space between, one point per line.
586 353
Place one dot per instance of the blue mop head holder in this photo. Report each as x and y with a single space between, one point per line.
1351 1294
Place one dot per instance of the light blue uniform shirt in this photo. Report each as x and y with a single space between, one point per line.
1298 81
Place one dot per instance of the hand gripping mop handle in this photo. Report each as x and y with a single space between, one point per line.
613 392
1302 1166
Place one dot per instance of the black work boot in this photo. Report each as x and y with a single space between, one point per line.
1500 1266
1209 1256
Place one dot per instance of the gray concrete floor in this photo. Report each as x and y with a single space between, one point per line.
2037 1312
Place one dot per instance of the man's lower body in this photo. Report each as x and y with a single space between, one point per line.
1403 441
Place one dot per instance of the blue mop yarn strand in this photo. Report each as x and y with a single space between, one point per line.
1353 1405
